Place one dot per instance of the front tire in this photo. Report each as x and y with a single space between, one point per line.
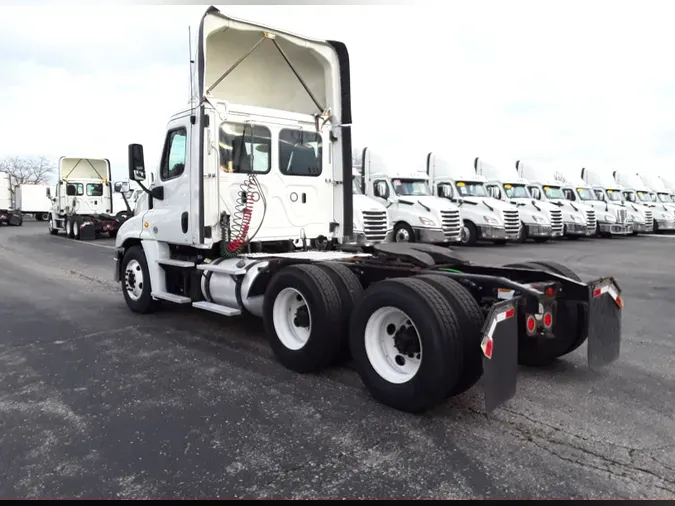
50 225
406 344
469 234
135 280
403 233
303 317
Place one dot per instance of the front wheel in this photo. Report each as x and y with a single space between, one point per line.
469 234
50 225
403 233
406 344
135 280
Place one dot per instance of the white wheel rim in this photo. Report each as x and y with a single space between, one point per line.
50 225
402 235
465 234
288 313
76 230
133 280
387 360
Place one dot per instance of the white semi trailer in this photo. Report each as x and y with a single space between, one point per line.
252 207
82 202
402 186
9 214
483 218
578 218
32 199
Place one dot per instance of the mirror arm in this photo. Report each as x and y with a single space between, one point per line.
156 193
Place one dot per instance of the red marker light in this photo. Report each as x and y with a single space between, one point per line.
548 319
549 292
487 346
510 313
619 301
530 323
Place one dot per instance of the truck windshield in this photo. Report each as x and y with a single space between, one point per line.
471 189
554 193
615 195
516 191
665 197
411 187
586 194
644 196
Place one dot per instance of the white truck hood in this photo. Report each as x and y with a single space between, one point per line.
434 203
497 205
363 203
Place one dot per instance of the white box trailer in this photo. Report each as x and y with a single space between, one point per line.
8 213
33 199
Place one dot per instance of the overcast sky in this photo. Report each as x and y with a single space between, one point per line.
560 85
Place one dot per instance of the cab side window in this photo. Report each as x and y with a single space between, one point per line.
536 194
494 192
569 194
173 158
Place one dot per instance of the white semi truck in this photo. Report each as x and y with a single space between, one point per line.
578 219
669 185
371 219
607 189
483 218
260 227
9 214
402 186
32 199
663 197
82 201
636 192
612 219
540 221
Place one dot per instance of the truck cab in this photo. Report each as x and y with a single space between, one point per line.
612 219
415 212
661 195
540 221
483 218
639 196
371 219
578 219
9 214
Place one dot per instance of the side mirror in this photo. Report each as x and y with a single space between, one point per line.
446 191
48 192
381 190
121 187
136 163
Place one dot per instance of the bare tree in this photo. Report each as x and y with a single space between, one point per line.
35 170
559 176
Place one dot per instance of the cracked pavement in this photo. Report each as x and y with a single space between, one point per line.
96 402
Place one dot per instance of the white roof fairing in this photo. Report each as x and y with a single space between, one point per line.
259 74
76 167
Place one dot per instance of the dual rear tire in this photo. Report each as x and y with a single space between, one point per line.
413 341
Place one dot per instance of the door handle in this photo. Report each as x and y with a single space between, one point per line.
184 222
304 198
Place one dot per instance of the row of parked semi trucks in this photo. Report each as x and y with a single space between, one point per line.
396 200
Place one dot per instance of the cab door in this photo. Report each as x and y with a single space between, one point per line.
168 219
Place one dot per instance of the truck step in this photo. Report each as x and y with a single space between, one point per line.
171 297
221 269
215 308
175 263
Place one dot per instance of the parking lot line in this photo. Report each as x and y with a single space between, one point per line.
660 236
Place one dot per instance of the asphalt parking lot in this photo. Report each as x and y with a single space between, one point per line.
97 402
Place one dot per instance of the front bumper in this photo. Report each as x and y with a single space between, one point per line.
665 224
501 333
435 236
642 228
492 232
574 228
540 231
616 228
362 240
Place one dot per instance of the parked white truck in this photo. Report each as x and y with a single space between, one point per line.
231 229
540 221
612 219
82 200
483 218
607 189
402 186
372 224
9 214
663 197
578 219
669 185
636 192
32 199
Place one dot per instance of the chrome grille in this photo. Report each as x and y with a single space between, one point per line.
375 225
451 224
649 219
556 220
591 221
621 216
511 223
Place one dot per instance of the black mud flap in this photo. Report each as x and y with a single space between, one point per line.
87 231
604 323
500 354
15 220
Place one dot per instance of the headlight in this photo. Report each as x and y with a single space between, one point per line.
491 220
610 218
539 219
427 222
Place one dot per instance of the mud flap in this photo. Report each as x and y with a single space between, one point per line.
87 231
500 354
15 220
604 323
